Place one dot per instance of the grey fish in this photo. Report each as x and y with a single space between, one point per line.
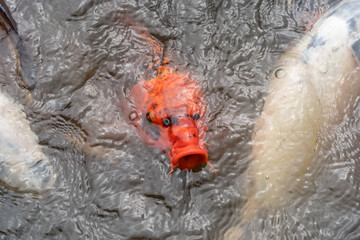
23 165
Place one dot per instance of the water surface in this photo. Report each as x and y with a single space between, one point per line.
110 185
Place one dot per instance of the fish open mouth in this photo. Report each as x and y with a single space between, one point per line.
189 157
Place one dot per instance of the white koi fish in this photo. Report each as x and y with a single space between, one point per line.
309 91
311 88
23 165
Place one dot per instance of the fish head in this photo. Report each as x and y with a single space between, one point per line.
172 117
184 133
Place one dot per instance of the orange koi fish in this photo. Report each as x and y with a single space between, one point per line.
170 114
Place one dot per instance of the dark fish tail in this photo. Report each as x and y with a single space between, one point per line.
25 64
5 15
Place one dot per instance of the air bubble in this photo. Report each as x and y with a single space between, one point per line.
133 115
229 72
280 73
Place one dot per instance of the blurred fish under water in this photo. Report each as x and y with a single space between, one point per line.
23 165
169 111
312 90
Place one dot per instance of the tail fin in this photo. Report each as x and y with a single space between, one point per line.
5 15
25 66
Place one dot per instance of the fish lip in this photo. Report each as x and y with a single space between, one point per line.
198 155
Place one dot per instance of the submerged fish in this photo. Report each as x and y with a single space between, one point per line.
310 91
23 165
170 114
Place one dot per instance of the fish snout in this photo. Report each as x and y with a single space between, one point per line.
187 150
188 157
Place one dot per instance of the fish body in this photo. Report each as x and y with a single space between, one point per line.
171 116
23 165
310 90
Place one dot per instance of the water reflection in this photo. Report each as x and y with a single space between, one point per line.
110 185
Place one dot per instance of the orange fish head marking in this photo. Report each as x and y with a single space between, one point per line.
172 114
181 128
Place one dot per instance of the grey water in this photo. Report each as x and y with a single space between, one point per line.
110 185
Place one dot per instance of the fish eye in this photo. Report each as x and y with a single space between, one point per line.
166 122
196 116
150 116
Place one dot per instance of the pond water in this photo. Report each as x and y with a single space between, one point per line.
110 185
